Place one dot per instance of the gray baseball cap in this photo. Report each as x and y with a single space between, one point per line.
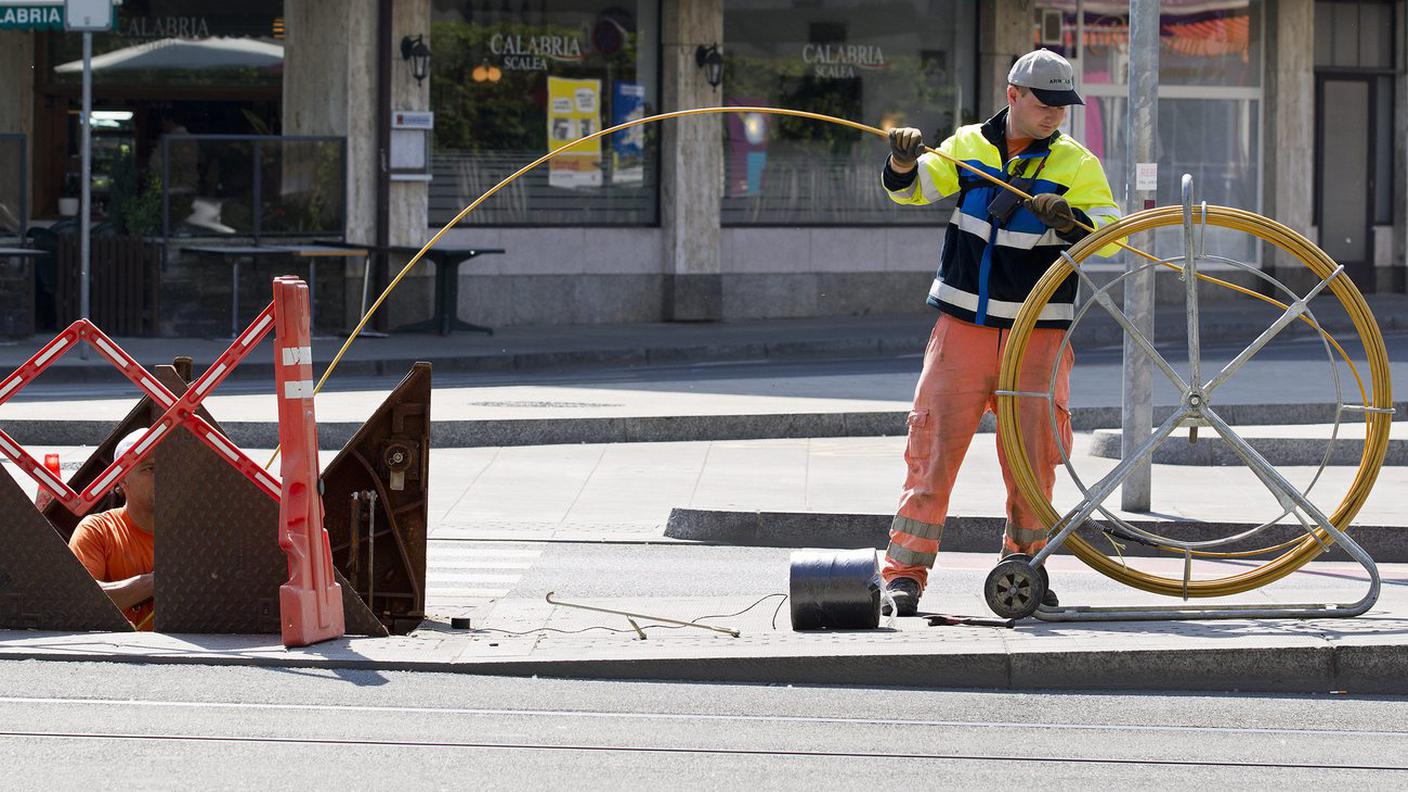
1048 75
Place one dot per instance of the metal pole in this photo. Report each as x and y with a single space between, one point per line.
1142 133
85 211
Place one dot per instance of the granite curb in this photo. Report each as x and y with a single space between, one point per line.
332 435
1212 451
1386 543
1297 663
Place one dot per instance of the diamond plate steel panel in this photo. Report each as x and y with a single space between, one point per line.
219 566
140 417
391 449
42 584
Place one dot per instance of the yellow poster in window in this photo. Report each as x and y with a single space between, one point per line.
574 111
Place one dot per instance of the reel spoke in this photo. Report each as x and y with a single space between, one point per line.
1284 320
1104 301
1284 491
1106 486
1190 280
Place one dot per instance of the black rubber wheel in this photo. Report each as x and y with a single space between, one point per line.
1014 587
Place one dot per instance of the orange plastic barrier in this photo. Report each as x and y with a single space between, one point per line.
310 603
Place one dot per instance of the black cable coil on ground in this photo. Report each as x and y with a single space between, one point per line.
835 589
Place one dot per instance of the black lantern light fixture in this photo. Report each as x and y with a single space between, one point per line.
415 51
712 62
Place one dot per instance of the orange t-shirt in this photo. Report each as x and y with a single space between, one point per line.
113 548
1018 145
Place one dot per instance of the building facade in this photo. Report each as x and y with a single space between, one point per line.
1292 108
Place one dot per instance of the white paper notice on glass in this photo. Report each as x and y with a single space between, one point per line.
1146 176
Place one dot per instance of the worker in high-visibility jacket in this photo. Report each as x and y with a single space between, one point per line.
995 250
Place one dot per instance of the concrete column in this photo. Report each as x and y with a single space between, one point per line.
1004 34
1288 159
330 89
692 165
17 90
410 200
330 74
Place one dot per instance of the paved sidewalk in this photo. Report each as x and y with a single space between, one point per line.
1368 654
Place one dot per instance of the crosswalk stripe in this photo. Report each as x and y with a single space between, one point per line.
472 578
442 549
465 593
475 564
463 571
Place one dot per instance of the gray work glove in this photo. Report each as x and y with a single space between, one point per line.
1053 210
906 144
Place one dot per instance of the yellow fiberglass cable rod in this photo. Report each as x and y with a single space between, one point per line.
702 111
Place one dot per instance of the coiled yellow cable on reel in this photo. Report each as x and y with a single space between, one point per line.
1377 419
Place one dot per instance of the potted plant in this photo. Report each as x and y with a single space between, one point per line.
68 201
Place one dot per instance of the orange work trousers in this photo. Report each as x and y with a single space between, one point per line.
956 387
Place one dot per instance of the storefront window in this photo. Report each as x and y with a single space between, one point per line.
167 67
898 63
1210 100
1200 43
509 84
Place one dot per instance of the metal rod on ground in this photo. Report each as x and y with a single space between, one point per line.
1137 400
85 211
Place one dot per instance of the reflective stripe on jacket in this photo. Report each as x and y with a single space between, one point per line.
986 271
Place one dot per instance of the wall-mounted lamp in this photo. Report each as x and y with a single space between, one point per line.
712 62
415 51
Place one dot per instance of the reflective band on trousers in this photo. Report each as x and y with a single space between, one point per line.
918 534
909 557
1025 536
917 528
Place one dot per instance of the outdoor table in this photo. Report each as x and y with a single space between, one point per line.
447 286
312 253
22 252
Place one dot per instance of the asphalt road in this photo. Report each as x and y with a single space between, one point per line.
113 727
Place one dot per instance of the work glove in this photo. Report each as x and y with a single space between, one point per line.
906 144
1053 210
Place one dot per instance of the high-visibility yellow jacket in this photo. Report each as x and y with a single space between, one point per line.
987 269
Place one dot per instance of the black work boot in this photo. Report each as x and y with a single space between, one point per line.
1049 599
906 593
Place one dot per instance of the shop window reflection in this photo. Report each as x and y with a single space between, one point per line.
508 85
906 64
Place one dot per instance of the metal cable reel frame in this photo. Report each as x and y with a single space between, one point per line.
1320 528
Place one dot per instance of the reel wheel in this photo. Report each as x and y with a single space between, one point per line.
1014 587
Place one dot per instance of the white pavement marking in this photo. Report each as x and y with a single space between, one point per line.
452 566
462 578
454 576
